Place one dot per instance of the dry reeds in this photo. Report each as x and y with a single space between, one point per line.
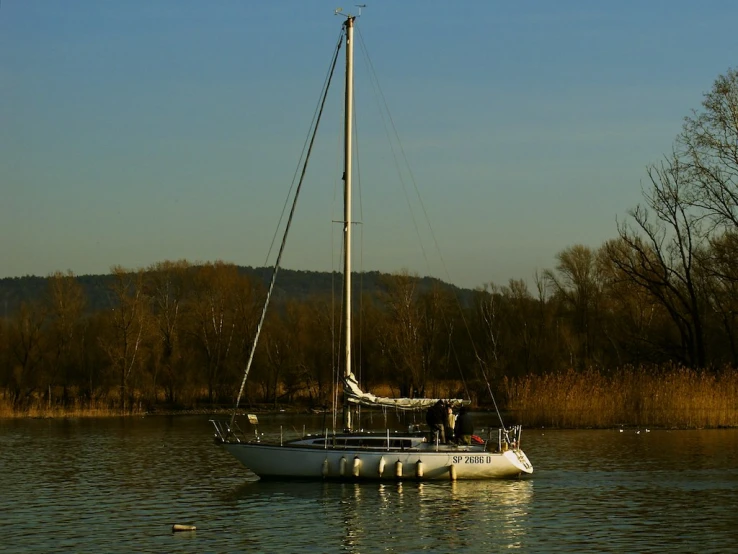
665 397
38 407
670 397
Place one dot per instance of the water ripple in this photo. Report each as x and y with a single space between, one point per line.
118 486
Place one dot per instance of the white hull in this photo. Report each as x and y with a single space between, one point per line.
314 462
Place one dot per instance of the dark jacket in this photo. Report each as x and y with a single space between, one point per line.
435 415
464 424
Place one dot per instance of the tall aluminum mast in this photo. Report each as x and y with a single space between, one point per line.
347 298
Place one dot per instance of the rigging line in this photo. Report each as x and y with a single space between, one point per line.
336 341
326 81
384 109
334 357
337 194
286 232
452 350
375 85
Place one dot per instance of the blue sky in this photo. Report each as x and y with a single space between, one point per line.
135 132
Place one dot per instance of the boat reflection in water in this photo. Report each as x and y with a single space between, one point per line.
413 516
452 514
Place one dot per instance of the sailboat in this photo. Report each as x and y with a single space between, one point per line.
354 454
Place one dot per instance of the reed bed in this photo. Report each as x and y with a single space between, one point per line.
659 397
671 397
40 408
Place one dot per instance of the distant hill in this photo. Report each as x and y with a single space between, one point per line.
291 283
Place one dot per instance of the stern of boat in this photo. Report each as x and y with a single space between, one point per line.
508 443
518 459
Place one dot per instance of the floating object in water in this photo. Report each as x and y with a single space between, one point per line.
177 527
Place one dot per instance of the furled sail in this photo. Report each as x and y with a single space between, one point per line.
353 393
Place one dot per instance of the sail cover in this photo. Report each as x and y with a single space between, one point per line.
354 394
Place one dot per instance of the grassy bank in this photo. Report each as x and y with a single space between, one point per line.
671 397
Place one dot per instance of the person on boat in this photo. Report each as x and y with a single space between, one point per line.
435 418
449 424
464 427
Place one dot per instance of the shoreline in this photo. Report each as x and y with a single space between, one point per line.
270 411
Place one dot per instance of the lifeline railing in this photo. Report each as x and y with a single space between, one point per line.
225 432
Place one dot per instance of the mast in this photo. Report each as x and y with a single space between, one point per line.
347 299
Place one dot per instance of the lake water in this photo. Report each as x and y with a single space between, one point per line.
118 485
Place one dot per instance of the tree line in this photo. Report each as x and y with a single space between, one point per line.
662 291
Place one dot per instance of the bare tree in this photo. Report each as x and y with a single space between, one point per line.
659 252
213 319
401 339
632 318
318 349
490 324
708 146
66 303
577 283
26 337
247 303
720 276
128 321
166 286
